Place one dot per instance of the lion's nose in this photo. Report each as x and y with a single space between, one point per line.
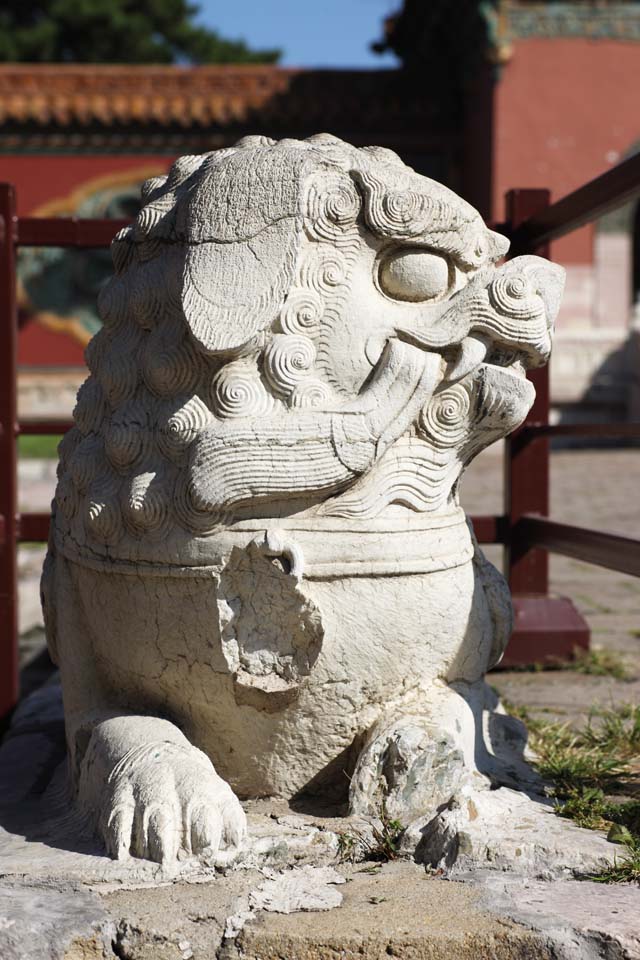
533 275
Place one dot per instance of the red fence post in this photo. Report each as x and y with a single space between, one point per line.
8 455
545 627
526 480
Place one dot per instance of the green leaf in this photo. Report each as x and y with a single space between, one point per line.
620 834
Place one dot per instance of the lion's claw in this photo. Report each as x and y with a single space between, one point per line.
163 797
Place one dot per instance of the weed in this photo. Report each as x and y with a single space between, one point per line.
598 663
387 837
584 766
384 846
628 869
614 731
586 807
349 846
595 663
564 758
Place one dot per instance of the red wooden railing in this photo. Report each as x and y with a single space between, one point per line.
545 626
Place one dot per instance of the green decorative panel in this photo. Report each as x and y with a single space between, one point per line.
611 21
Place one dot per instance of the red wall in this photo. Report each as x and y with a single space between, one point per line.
39 180
566 110
42 178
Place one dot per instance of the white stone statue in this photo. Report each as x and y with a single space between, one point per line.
260 581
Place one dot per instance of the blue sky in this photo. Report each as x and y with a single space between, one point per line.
311 33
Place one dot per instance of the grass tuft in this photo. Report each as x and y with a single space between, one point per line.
599 663
387 834
594 663
628 869
585 767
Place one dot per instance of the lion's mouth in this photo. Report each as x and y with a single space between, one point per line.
478 349
509 360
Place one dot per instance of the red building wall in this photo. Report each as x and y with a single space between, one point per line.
54 184
565 111
41 179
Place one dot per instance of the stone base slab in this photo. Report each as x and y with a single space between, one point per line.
291 894
368 912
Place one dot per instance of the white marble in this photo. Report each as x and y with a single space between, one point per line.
260 580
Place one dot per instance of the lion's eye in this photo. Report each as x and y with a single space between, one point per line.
414 275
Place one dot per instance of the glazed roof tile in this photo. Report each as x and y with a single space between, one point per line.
82 95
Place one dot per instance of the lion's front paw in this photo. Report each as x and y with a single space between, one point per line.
162 797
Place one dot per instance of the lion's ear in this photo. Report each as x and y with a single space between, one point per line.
240 227
233 291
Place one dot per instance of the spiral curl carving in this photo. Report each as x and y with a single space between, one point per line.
310 393
95 350
301 313
194 518
287 360
156 218
123 250
333 205
169 366
153 185
119 369
146 507
103 515
323 270
90 407
103 520
85 462
183 168
180 425
514 297
67 447
403 210
113 304
446 417
237 391
147 300
67 497
125 441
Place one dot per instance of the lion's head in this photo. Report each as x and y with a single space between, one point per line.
297 326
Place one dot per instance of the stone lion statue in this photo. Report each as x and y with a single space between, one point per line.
260 581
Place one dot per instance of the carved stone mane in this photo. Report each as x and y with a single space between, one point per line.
229 354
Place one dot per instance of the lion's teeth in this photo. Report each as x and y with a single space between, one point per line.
473 350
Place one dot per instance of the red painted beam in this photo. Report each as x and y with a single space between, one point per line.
33 527
591 546
43 427
581 430
67 232
584 205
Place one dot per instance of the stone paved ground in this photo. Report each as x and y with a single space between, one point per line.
592 488
595 488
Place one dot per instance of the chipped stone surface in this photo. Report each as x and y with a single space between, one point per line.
587 921
260 580
393 910
44 922
300 889
505 831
